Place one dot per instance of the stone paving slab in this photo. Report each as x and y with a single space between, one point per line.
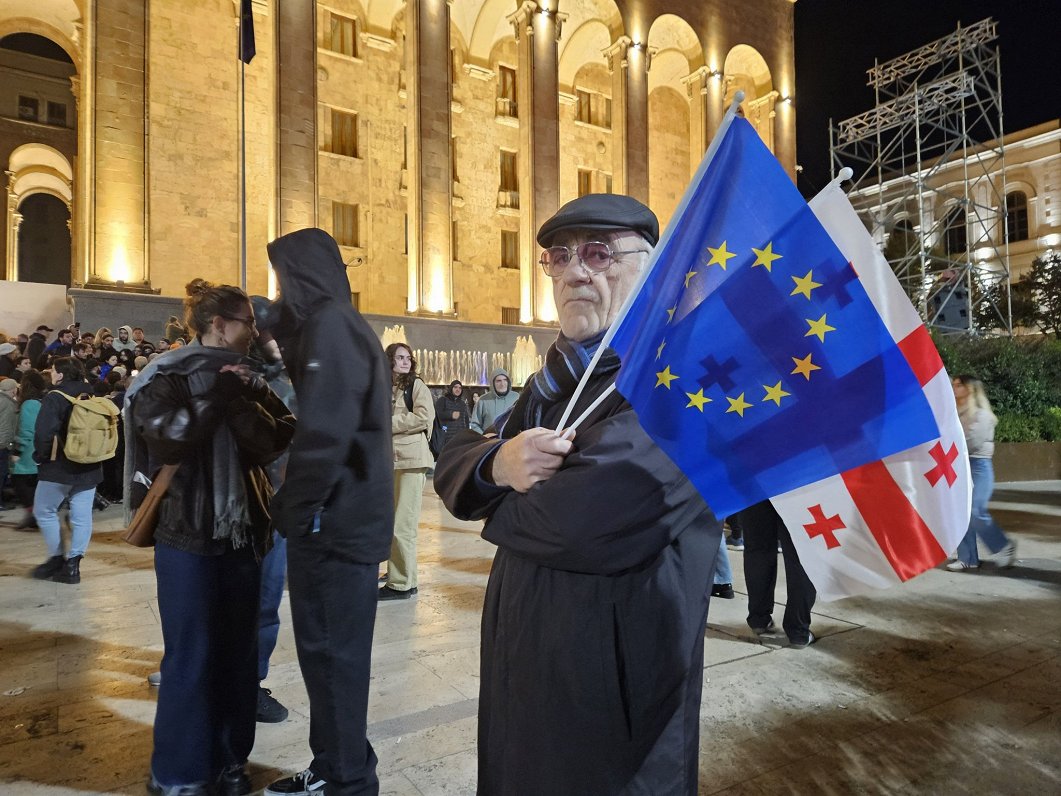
947 684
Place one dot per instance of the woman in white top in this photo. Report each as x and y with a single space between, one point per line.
978 422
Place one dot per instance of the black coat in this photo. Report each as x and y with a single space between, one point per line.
178 427
592 630
52 422
341 469
445 406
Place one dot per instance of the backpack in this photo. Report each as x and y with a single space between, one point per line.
92 431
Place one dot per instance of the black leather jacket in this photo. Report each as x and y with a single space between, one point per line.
178 428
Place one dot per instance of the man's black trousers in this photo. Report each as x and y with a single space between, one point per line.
333 610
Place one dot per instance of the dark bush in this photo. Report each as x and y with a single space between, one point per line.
1022 376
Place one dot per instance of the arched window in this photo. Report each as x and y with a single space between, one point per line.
1017 215
955 231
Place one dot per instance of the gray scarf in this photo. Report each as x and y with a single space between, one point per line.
200 365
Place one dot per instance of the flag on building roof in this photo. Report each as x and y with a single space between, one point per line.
753 355
888 520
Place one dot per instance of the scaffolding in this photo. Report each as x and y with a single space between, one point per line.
929 177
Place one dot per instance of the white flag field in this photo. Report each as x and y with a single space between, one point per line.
883 523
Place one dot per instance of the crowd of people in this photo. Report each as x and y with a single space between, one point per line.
592 627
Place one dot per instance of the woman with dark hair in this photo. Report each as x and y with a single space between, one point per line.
60 479
24 470
126 357
203 409
411 421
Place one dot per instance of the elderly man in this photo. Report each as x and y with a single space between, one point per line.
592 630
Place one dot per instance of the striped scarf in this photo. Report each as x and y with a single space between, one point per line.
565 363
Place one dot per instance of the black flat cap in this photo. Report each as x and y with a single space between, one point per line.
602 211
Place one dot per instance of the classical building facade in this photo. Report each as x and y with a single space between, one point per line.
430 137
1020 199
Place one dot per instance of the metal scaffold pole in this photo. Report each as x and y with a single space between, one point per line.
929 177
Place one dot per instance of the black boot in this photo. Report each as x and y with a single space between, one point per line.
49 568
70 572
234 782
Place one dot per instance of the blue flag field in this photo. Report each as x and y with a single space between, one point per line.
753 355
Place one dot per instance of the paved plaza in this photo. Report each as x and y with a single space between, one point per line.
948 684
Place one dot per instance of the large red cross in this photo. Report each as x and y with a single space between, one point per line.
944 464
824 526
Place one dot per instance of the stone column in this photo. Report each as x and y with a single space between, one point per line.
714 104
118 127
16 224
12 219
296 42
537 30
696 88
427 69
629 62
784 121
83 87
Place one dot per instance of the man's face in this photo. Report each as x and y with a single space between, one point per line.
123 335
88 337
24 364
66 338
457 390
82 352
162 345
106 340
501 384
138 336
588 302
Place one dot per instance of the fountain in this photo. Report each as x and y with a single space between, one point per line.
394 334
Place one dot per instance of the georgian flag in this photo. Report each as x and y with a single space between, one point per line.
884 522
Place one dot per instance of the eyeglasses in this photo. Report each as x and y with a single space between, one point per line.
595 255
248 322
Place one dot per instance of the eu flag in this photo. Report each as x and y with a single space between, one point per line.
753 355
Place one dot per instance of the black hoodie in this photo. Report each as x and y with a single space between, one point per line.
341 468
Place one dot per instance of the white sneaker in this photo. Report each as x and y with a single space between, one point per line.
961 566
1007 556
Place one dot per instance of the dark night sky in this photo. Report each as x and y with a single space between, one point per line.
837 40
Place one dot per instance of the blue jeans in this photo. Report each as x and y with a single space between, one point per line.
209 694
46 501
981 523
723 571
274 568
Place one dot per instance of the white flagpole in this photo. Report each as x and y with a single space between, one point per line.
846 173
716 142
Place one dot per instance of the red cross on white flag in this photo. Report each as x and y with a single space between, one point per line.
901 515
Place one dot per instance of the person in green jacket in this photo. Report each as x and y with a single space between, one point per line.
495 402
23 468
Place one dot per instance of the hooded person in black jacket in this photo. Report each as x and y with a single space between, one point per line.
336 504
